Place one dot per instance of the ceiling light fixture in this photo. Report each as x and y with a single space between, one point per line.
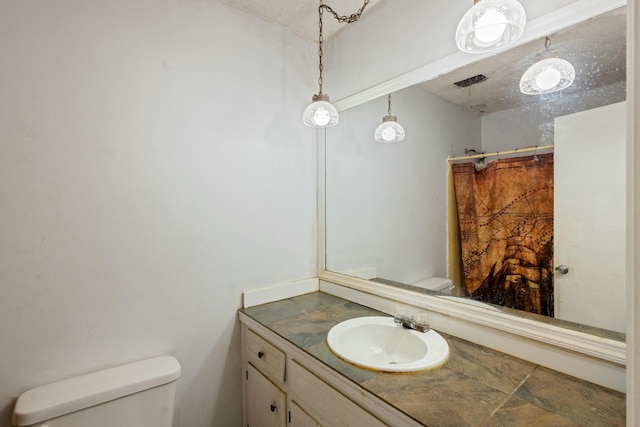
390 130
320 113
549 74
489 25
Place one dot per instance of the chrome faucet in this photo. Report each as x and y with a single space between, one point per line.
417 323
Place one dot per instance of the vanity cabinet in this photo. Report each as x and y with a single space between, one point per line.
284 387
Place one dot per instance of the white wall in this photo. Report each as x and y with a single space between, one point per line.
533 124
386 203
143 187
516 128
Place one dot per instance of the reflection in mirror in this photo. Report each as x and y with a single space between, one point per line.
386 204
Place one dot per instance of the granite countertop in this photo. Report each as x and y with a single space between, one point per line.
477 386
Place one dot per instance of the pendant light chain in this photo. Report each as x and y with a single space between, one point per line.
320 113
320 42
389 100
349 19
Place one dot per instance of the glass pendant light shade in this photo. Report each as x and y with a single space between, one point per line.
490 25
547 76
320 113
389 130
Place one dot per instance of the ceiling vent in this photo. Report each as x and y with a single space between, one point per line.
471 81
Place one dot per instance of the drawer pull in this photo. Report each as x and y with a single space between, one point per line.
273 408
260 355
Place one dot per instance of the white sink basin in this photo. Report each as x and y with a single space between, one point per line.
378 343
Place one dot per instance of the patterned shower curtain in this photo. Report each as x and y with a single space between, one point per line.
505 217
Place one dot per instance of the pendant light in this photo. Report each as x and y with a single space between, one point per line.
389 130
489 25
320 113
547 75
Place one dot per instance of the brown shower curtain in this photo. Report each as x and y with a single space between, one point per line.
505 217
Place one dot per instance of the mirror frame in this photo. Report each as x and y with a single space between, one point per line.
608 350
633 208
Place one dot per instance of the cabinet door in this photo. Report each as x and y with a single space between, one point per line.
299 418
266 403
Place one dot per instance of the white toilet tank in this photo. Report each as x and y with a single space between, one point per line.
439 284
140 394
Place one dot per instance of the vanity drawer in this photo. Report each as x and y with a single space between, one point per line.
324 403
267 358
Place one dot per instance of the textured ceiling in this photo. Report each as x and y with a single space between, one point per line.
301 16
596 48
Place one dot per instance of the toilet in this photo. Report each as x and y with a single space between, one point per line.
438 284
140 394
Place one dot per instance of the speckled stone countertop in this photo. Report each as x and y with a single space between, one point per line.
476 387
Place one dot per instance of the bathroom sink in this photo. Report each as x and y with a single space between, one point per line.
378 343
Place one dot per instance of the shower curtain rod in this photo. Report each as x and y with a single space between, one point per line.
500 153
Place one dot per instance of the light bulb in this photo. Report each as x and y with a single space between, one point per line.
388 133
548 78
491 26
321 117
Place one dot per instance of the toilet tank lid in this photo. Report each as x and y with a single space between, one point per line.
63 397
435 283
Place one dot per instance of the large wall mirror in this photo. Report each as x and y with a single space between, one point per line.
386 204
